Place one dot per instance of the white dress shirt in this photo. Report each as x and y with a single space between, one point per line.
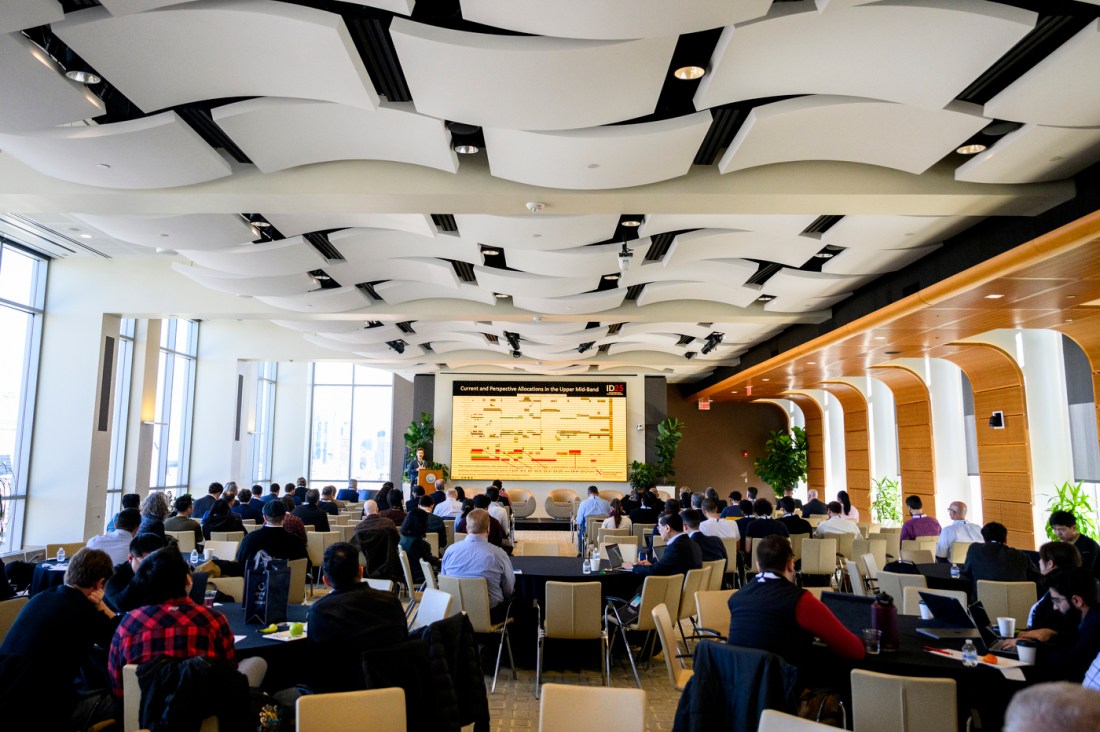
720 528
958 530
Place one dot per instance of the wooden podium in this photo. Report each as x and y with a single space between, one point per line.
426 478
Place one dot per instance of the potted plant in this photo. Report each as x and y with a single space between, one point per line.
648 475
1073 498
886 502
784 461
420 434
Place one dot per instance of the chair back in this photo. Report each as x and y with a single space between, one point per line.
620 539
434 606
818 556
227 536
844 544
604 533
893 584
573 610
884 701
429 575
523 502
562 503
406 571
873 546
232 586
773 721
696 580
658 591
298 568
670 647
890 530
185 540
249 528
732 549
864 528
642 531
318 541
910 604
385 708
9 611
958 552
131 703
856 579
539 549
471 595
70 547
717 571
604 709
382 585
712 610
927 543
816 519
592 527
796 544
1007 599
869 566
893 544
226 550
460 536
449 526
917 556
658 540
433 541
629 551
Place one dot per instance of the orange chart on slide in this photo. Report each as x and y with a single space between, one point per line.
538 436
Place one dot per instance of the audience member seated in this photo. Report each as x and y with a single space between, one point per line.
349 494
715 526
958 530
394 510
272 493
245 509
220 518
849 511
496 532
129 500
795 524
414 502
710 547
476 557
292 523
435 524
230 495
504 499
172 624
789 493
204 504
618 518
680 554
117 543
351 619
733 510
1064 526
310 513
451 507
1054 557
593 505
1067 656
498 511
52 640
648 513
771 613
120 592
995 560
1057 706
182 519
378 538
271 538
918 524
328 503
835 523
813 506
300 490
632 501
373 520
763 524
413 530
439 494
154 509
290 490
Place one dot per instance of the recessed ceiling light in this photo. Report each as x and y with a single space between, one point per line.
500 296
765 298
261 224
972 149
490 252
689 73
322 277
611 277
825 255
632 223
84 77
733 391
85 236
467 149
994 296
105 166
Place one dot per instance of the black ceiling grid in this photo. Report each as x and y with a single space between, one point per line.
319 241
445 222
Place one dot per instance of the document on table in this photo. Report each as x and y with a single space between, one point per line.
238 638
1010 668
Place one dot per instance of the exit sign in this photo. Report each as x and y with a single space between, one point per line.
704 405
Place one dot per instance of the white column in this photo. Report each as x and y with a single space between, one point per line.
882 432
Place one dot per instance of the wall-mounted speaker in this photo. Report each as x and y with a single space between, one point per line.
997 421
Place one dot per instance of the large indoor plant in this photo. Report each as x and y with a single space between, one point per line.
886 502
1072 497
783 463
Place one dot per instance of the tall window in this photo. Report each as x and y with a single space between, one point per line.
22 296
179 340
121 418
350 435
263 420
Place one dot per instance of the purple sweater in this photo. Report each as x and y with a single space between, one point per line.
920 526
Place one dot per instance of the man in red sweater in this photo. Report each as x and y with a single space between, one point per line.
773 614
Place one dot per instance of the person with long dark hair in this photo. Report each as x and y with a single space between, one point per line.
850 512
617 519
415 546
221 518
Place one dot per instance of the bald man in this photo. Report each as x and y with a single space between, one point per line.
958 530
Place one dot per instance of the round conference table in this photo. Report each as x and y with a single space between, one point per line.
285 659
46 575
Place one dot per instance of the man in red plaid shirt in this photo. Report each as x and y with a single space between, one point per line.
174 625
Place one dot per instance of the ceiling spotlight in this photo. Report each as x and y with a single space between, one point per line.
322 277
972 149
84 77
625 255
85 236
585 346
467 149
535 206
811 363
490 252
689 73
632 223
611 277
398 346
261 224
765 298
500 296
765 379
689 355
825 255
517 354
712 342
513 340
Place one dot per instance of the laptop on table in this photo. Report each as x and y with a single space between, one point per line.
948 610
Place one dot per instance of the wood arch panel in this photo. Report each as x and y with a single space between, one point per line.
1004 455
916 456
857 444
815 440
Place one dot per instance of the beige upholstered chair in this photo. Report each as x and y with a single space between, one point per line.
678 677
922 544
523 502
434 605
815 520
592 529
910 594
539 549
610 495
655 591
382 585
604 533
385 708
70 547
894 584
642 531
316 543
562 503
773 721
864 529
893 544
696 580
819 556
472 595
717 571
237 536
249 528
903 703
621 540
628 550
844 544
876 548
9 611
449 525
573 612
226 550
603 709
460 536
298 569
184 539
430 581
712 612
1007 599
958 552
796 544
918 556
856 579
131 703
232 586
406 570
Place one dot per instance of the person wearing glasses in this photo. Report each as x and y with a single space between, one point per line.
958 530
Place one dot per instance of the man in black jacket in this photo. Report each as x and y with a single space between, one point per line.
795 525
648 513
813 507
681 553
271 538
204 504
711 547
120 593
994 560
312 514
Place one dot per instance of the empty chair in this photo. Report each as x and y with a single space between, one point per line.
601 538
539 549
629 551
918 556
347 532
249 528
620 540
717 572
893 584
406 572
818 557
796 544
958 552
573 611
472 596
385 708
603 709
226 550
9 610
449 526
1007 599
893 545
592 529
433 541
70 547
232 586
382 585
902 703
184 539
695 581
844 544
429 575
655 591
712 612
925 543
642 531
131 703
316 543
864 529
434 605
855 578
523 502
876 548
298 570
562 503
910 604
773 721
678 677
227 536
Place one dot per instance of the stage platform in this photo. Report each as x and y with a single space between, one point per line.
542 524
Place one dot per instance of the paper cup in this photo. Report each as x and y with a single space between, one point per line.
1027 651
1006 627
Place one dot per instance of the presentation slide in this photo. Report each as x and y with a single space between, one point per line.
528 430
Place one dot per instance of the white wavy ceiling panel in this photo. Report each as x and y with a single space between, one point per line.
863 51
1034 154
336 300
16 15
695 246
619 156
455 346
284 257
874 261
590 302
722 273
540 232
555 353
670 291
397 292
540 329
277 134
1057 91
894 232
458 338
529 82
524 283
573 262
424 270
578 334
366 336
35 92
447 327
800 284
619 348
296 284
401 7
294 224
215 50
797 304
660 339
764 224
186 231
848 129
126 7
633 330
563 370
363 247
160 151
621 19
325 327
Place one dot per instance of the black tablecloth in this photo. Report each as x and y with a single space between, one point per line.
44 577
286 660
938 575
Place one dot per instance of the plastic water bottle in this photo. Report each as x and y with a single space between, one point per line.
970 654
954 571
60 554
586 566
194 557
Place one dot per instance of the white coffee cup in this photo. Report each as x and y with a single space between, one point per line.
1007 627
1027 652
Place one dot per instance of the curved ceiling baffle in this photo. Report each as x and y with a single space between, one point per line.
815 439
913 414
43 96
857 444
1004 455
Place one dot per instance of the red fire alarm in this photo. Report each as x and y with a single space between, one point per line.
744 453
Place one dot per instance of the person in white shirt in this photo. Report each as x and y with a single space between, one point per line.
958 530
500 513
117 543
450 507
835 523
715 526
617 519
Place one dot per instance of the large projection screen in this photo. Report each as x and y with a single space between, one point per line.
529 430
